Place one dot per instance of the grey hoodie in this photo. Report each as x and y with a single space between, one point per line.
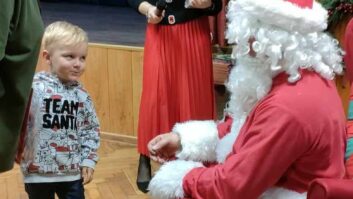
62 131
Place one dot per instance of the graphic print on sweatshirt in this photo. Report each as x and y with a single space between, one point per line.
59 113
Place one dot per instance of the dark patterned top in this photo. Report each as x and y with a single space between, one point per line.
176 12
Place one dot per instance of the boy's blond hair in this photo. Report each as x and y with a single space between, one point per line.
63 33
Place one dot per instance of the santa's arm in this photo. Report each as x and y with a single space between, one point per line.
268 150
199 139
265 155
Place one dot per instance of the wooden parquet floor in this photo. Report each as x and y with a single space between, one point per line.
114 177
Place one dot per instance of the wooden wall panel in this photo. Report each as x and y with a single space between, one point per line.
95 81
120 91
137 71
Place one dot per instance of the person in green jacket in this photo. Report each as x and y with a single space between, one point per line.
20 39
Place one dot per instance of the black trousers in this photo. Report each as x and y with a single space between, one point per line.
64 190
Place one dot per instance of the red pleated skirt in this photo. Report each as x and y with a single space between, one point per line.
177 78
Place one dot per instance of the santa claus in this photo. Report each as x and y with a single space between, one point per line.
284 124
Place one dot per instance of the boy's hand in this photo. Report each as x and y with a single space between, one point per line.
87 175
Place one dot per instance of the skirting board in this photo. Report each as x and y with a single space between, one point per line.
119 138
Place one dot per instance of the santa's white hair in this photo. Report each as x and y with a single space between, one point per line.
283 50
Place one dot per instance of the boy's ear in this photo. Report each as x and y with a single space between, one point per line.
46 56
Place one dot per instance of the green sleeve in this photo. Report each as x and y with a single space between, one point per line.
7 8
20 39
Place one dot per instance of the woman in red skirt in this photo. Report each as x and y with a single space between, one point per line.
177 70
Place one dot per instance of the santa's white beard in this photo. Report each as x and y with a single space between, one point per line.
249 81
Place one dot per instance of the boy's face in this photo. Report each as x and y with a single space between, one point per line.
67 62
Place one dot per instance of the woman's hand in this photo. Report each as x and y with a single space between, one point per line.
152 16
201 4
163 147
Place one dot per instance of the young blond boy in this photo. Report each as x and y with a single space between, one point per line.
62 135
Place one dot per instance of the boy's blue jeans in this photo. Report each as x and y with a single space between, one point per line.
64 190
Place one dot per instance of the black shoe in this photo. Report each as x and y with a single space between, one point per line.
143 186
144 173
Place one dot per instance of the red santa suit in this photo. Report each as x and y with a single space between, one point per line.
285 141
293 135
286 124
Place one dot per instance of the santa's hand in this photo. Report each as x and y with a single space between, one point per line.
163 147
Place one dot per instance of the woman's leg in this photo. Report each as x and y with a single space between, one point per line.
143 173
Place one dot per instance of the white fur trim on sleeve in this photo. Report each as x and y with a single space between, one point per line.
281 193
167 183
198 140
